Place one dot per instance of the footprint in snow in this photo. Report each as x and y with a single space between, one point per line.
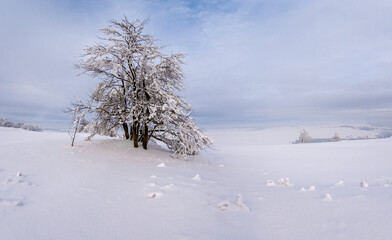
151 184
20 179
168 187
10 203
239 204
8 180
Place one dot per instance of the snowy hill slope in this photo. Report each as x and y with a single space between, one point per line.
252 187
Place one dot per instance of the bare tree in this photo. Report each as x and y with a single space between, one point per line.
78 111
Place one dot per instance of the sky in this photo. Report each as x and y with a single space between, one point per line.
249 63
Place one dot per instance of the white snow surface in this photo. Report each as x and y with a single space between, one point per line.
106 189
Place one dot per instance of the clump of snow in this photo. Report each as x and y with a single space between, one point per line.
240 203
364 184
161 165
270 183
154 195
339 184
223 205
197 177
19 174
311 188
284 182
328 197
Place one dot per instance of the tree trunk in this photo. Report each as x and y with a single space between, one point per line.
126 132
135 133
145 136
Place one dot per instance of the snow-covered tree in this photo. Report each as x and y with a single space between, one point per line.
304 137
336 138
139 89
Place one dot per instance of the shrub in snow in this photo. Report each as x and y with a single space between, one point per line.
304 137
139 90
284 182
336 138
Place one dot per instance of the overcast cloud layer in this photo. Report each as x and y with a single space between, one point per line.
249 63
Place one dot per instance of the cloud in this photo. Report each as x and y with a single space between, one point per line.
249 62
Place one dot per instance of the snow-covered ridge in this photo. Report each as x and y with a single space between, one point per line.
288 135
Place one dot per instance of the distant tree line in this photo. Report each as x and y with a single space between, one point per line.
29 127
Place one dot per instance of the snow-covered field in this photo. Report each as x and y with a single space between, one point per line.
255 185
